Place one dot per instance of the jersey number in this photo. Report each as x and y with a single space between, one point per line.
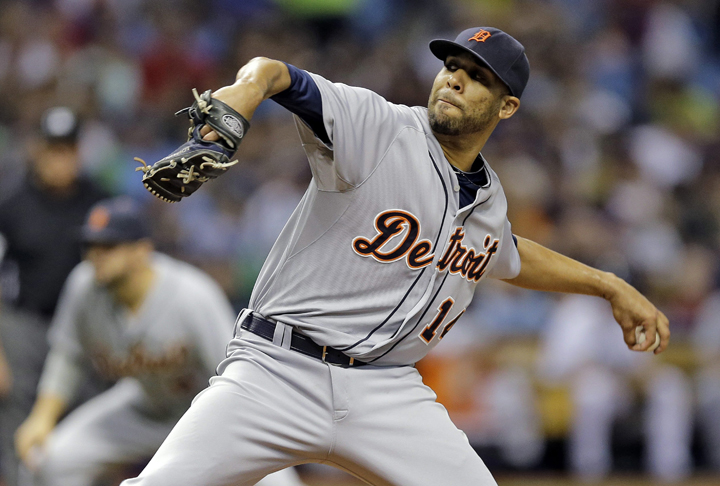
431 329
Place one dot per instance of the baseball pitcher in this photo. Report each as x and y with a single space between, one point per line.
401 221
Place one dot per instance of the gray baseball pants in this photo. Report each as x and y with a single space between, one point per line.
108 432
272 407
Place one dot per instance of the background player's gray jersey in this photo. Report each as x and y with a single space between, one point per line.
378 260
171 345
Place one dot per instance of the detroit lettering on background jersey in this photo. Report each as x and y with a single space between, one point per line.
171 346
378 259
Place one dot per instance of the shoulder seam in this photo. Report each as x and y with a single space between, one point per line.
380 161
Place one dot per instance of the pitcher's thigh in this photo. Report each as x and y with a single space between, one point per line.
406 438
246 425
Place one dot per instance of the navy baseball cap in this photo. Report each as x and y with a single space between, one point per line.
60 124
115 220
493 48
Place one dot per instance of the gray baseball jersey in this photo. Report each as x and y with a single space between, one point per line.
171 346
163 356
378 260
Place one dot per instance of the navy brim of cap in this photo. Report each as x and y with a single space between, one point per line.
105 237
442 48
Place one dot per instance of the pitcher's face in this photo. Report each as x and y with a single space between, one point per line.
466 97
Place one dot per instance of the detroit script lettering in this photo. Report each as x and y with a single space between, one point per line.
396 223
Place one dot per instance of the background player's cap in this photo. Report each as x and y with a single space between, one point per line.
500 52
115 220
60 124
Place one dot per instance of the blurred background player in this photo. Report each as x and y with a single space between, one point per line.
615 394
706 339
39 222
156 324
607 385
603 379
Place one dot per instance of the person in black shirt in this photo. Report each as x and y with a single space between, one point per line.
39 225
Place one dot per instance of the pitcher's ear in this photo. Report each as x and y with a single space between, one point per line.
508 107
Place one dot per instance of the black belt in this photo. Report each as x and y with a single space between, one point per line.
300 343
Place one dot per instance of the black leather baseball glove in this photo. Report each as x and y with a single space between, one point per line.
197 161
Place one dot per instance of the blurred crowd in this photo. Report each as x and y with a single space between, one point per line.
613 159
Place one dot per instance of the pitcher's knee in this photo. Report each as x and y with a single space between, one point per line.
61 466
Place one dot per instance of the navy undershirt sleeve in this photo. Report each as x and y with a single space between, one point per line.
304 100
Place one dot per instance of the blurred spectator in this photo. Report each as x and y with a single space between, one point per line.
39 222
707 342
